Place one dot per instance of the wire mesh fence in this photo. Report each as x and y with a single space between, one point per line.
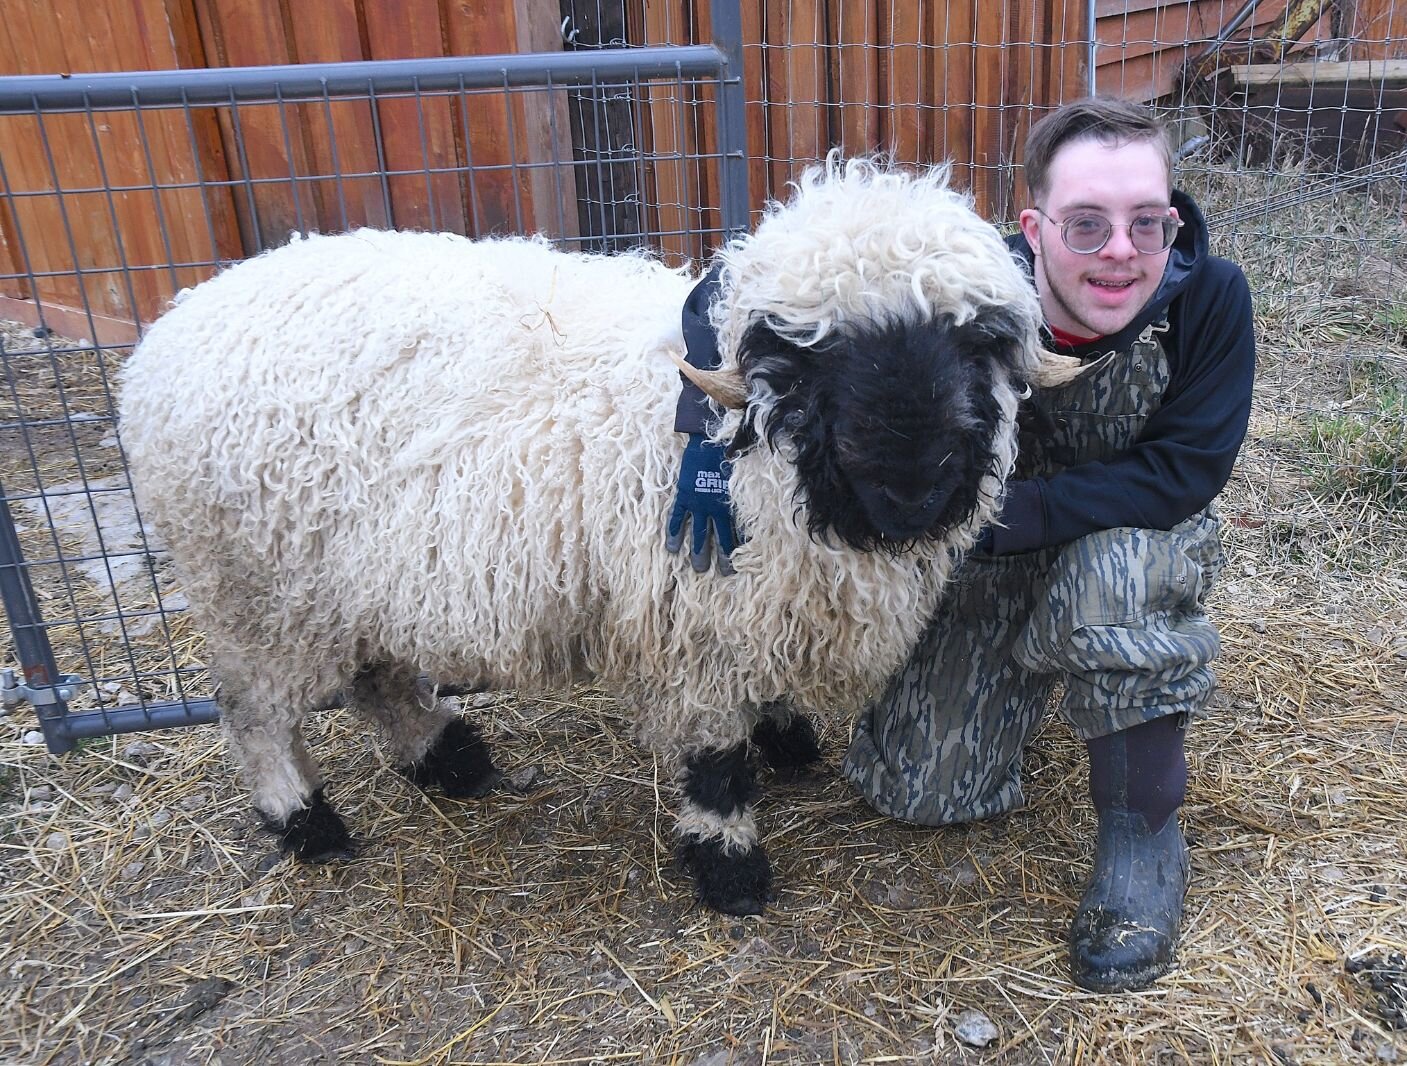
1291 122
123 190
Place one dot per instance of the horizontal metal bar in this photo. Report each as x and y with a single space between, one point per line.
154 88
77 725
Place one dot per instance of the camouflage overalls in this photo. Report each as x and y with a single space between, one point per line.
1116 615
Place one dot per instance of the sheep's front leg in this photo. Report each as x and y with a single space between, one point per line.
719 845
432 745
265 739
785 739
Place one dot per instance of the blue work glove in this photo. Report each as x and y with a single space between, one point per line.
702 501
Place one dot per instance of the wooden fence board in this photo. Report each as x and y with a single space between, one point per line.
911 55
418 133
798 98
854 72
340 135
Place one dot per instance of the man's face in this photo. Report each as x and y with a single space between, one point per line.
1099 293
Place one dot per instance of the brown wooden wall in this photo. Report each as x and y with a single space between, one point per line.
929 80
1143 44
283 163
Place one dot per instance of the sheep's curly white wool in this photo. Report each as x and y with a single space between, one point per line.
459 454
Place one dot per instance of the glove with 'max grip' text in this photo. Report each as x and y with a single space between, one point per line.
703 505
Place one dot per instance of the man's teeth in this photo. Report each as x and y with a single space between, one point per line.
1110 284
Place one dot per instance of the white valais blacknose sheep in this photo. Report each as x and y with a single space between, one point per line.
382 457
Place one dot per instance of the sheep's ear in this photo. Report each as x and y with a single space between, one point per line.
1001 331
728 388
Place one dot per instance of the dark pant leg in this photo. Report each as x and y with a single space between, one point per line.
943 743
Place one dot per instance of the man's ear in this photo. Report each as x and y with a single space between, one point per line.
1031 229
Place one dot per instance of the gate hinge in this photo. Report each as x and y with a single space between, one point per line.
13 693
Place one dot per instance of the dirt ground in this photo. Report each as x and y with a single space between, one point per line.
145 918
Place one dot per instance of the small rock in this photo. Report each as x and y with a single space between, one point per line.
1387 1053
112 688
34 738
110 441
139 750
160 819
127 699
257 898
713 1058
141 832
193 802
56 842
524 778
975 1029
133 870
123 793
41 793
269 861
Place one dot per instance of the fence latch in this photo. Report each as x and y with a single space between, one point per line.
12 693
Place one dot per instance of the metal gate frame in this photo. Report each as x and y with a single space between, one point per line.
720 64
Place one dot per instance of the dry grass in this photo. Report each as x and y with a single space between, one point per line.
146 919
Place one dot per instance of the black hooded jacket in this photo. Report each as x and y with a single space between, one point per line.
1185 453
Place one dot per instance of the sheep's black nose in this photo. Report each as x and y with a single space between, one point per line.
908 497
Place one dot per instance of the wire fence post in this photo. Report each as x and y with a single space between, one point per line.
732 133
43 686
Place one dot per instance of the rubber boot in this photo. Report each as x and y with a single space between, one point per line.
1126 928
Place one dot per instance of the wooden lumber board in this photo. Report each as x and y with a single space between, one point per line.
854 71
340 135
1361 73
667 126
262 142
549 183
799 102
419 134
954 85
989 78
909 128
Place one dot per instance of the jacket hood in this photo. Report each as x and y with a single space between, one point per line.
1189 253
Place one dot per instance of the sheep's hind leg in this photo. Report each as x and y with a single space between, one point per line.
431 744
785 739
265 738
719 848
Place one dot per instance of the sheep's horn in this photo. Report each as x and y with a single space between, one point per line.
726 387
1054 369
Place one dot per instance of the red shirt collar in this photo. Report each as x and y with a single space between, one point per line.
1069 340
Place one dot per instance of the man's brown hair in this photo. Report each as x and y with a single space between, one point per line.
1107 119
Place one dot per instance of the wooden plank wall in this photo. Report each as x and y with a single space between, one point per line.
1378 30
257 173
92 230
928 80
1144 44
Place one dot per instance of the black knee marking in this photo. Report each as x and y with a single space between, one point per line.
719 781
314 834
790 744
458 763
729 884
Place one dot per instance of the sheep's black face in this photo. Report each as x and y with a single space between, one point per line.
893 423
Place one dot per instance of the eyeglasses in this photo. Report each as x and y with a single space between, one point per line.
1087 234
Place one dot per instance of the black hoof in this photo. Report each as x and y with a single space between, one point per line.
314 834
789 745
457 763
730 884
